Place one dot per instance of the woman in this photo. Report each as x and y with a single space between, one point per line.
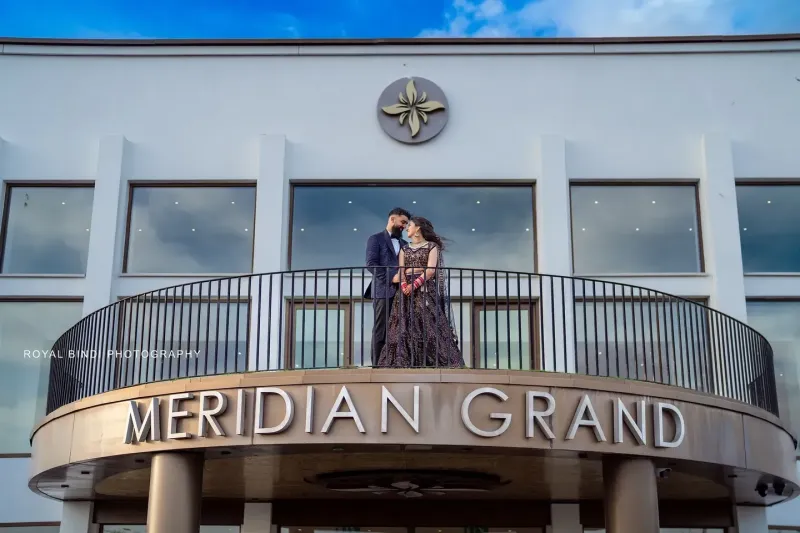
421 332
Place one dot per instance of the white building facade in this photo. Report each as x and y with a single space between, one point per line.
173 163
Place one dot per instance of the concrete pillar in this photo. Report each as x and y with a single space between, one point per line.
720 224
176 484
631 495
270 247
105 249
750 520
257 518
565 518
76 517
554 250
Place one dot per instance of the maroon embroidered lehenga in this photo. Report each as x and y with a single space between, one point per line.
420 330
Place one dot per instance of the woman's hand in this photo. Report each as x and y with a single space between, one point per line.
407 289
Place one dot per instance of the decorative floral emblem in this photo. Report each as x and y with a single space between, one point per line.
413 107
412 110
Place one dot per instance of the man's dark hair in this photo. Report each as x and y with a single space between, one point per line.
400 212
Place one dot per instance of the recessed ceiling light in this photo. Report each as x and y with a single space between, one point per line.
527 229
745 229
140 229
583 229
769 201
478 202
690 229
350 201
87 229
63 203
193 229
355 229
637 229
596 202
176 203
246 229
473 229
302 229
413 201
654 201
232 202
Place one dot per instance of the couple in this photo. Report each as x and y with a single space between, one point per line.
413 323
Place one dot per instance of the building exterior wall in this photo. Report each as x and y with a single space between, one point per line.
709 114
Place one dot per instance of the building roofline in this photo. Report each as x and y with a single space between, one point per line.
699 39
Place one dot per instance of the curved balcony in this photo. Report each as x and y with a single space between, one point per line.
317 319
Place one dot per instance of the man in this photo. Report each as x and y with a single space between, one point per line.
383 249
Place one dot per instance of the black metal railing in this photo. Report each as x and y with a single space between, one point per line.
492 320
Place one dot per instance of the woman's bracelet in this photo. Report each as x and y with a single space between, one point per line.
403 285
418 282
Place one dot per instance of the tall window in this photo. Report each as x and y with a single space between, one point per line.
779 322
486 227
191 230
46 229
769 227
635 229
27 329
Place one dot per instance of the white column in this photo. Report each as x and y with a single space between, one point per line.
76 517
3 148
257 518
750 520
565 518
720 225
102 263
554 250
270 248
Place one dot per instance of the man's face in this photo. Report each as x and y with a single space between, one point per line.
399 223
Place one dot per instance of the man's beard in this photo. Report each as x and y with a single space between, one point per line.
397 233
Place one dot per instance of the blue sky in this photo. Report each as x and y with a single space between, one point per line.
159 19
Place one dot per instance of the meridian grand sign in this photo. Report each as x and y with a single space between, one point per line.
273 411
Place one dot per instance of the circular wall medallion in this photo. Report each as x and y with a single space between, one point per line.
412 110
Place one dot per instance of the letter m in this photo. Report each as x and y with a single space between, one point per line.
138 430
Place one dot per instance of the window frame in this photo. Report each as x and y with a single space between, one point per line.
179 184
6 214
300 183
641 183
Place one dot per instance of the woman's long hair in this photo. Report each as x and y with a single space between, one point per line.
426 228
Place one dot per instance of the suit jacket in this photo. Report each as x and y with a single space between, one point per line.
380 253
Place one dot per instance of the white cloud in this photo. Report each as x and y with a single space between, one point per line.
589 18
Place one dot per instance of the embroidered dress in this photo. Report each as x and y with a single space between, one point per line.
421 332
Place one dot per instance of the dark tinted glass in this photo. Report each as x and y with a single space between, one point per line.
47 230
635 229
191 230
27 333
779 322
486 227
769 226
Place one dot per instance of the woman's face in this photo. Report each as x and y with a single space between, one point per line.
412 229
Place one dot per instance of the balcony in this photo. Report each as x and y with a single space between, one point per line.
319 319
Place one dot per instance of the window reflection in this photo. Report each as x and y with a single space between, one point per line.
191 230
212 335
47 230
30 529
504 337
769 227
487 227
320 336
32 326
635 229
141 528
779 322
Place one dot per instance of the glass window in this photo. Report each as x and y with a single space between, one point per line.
200 337
27 333
47 230
503 337
320 339
191 230
486 227
769 227
647 338
779 322
635 229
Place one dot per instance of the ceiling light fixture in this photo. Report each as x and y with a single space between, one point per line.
473 229
176 203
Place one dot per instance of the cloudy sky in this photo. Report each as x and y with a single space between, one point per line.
382 18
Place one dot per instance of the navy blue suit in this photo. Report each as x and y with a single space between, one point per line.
380 253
